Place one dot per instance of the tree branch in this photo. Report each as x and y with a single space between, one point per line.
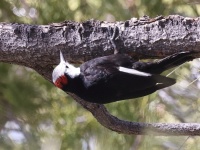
37 46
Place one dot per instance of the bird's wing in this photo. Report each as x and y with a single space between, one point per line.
133 72
104 68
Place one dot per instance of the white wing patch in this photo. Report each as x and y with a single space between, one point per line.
134 72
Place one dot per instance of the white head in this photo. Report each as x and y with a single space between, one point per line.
64 68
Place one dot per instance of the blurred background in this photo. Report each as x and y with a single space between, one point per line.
36 115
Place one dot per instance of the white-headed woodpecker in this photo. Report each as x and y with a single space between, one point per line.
115 77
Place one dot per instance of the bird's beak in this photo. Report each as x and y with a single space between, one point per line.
61 58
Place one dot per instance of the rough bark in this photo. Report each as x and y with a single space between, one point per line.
37 47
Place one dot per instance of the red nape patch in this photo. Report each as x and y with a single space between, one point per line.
61 81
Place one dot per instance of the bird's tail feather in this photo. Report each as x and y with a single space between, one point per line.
163 81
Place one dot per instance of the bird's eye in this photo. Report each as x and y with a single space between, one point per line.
66 66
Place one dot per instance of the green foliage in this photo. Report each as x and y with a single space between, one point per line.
49 119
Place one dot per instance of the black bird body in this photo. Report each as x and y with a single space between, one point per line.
118 77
